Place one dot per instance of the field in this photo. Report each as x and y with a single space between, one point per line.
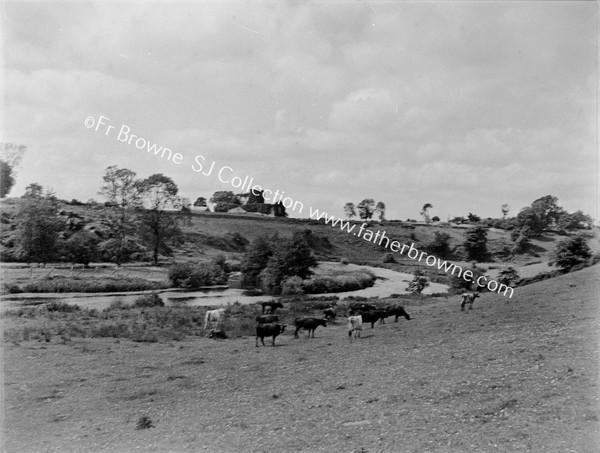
510 375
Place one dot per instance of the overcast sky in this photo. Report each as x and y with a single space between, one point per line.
464 105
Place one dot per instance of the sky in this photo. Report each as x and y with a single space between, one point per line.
463 105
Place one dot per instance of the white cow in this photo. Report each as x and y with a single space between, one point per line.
355 325
214 318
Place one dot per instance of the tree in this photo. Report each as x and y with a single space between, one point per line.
6 178
435 219
380 208
505 208
36 230
425 212
224 200
33 190
571 252
508 276
123 191
440 245
366 208
473 218
350 210
419 282
476 243
255 260
200 202
291 257
82 247
543 213
157 226
576 221
9 161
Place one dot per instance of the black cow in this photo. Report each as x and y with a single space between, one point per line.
272 306
372 316
267 319
309 324
329 314
268 330
468 298
397 311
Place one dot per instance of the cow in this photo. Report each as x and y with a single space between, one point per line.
468 298
397 311
309 324
267 319
217 334
268 330
329 314
272 306
214 318
354 325
372 316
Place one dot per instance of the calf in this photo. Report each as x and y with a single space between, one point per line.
468 298
267 319
397 311
272 306
217 334
268 330
329 314
354 325
309 324
214 318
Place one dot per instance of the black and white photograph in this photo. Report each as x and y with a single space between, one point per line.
299 226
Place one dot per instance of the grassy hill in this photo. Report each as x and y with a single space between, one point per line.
514 375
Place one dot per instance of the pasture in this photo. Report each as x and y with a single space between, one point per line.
512 375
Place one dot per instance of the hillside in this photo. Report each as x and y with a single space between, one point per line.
510 375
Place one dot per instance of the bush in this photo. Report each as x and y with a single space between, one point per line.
389 258
344 261
148 300
292 286
188 275
351 281
62 307
419 282
571 252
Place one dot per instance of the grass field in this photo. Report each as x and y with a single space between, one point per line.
510 375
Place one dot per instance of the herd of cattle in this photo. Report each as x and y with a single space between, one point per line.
269 325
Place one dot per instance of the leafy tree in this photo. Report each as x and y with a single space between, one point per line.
350 210
440 245
291 257
200 202
33 190
124 193
460 284
224 200
435 219
255 259
505 208
476 243
36 229
473 218
425 212
157 226
543 213
366 208
572 251
9 161
576 221
6 178
419 282
508 276
380 208
82 247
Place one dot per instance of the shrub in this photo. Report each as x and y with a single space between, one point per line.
351 281
117 304
440 246
571 252
148 300
419 282
389 258
188 275
344 261
292 286
62 307
508 276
